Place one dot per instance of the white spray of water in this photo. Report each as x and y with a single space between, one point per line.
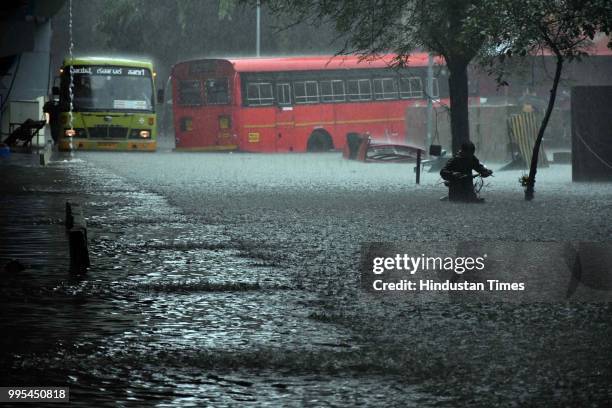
71 86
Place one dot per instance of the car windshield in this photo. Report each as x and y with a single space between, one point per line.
110 88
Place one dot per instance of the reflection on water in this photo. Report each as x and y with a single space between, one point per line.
173 311
250 292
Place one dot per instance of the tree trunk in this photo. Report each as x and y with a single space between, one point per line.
459 114
533 169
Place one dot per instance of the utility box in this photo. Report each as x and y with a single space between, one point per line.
591 133
18 112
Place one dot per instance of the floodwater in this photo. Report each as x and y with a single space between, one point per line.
232 280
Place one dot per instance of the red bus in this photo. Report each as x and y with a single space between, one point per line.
294 104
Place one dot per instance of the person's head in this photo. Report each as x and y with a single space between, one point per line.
468 148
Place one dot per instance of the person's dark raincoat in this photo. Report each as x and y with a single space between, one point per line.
458 174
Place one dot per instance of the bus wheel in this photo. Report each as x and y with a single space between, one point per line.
319 141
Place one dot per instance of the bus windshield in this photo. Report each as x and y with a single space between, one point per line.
109 88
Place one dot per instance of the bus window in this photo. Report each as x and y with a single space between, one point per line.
217 92
411 88
306 92
259 94
332 91
283 94
189 93
385 88
120 91
82 90
359 89
436 88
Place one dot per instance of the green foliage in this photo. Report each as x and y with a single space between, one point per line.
226 8
174 30
134 27
564 28
370 27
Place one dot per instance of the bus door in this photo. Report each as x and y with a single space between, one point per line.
218 114
285 120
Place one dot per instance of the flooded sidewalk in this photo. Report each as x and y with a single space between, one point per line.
173 311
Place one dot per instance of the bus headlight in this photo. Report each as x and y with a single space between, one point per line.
75 132
140 134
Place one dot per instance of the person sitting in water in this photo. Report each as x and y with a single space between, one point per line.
458 174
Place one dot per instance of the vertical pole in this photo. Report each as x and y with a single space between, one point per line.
258 34
418 167
429 100
71 73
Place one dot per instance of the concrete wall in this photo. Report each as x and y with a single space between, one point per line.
488 128
591 136
33 75
30 75
25 51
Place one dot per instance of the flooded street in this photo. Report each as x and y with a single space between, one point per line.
179 226
232 279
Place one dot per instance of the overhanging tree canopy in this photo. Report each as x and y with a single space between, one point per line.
371 27
563 28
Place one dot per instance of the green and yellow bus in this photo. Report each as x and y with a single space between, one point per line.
113 105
